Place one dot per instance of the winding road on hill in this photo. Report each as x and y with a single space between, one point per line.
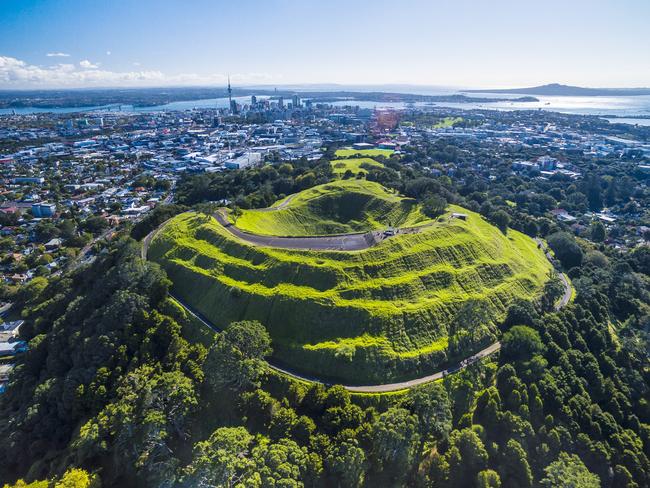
343 242
353 241
284 203
568 291
383 388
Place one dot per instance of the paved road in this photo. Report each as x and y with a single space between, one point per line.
279 207
403 385
384 388
564 301
344 242
86 249
146 242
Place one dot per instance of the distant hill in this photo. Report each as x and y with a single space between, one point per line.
555 89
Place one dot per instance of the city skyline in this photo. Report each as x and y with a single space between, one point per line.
72 44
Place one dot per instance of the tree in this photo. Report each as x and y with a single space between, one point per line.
30 292
236 212
520 312
593 190
346 460
45 230
395 439
72 478
623 478
433 206
94 224
236 359
283 464
566 249
208 209
521 342
23 484
142 423
222 460
467 456
553 291
598 232
515 470
568 471
488 479
431 406
78 478
418 187
501 219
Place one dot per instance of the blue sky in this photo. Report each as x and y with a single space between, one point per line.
47 43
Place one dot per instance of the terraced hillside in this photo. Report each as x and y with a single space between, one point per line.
391 312
338 207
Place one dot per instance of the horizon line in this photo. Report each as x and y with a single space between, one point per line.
313 84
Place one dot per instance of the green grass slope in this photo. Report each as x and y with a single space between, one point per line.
448 122
394 311
340 166
346 153
337 207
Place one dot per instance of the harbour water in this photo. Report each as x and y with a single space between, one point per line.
629 110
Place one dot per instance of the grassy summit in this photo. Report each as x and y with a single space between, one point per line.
339 207
394 311
346 153
340 166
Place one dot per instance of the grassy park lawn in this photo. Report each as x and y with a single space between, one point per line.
448 122
346 153
340 166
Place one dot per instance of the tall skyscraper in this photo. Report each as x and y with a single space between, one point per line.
281 102
296 101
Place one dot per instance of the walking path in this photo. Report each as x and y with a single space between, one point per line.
384 388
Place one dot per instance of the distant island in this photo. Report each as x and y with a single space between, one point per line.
556 89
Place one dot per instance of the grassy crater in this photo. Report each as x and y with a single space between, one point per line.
338 207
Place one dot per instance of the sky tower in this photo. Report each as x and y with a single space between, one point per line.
232 103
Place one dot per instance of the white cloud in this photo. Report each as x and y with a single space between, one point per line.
15 73
137 63
88 65
108 53
57 55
